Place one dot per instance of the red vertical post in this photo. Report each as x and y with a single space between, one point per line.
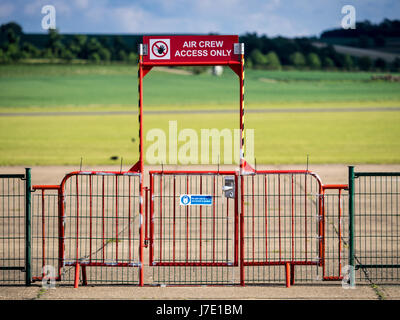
241 101
288 273
241 123
320 226
116 218
43 234
201 187
266 216
161 220
61 231
279 218
151 220
146 217
102 221
174 217
77 222
90 222
129 220
227 230
76 279
141 165
322 231
236 220
340 233
187 221
214 221
253 215
292 211
305 215
242 279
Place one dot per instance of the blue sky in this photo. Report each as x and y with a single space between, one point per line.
271 17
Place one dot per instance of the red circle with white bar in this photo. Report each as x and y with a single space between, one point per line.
157 46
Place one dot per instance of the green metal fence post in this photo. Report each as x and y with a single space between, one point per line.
351 226
28 272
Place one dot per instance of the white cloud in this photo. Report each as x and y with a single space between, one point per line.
34 8
81 4
6 9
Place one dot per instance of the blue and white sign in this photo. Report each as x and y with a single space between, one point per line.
195 200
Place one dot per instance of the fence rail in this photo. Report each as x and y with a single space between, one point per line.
15 267
374 224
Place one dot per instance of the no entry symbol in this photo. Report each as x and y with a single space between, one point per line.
159 49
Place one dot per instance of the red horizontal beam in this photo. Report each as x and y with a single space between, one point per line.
208 63
102 264
192 172
46 187
335 186
193 264
282 171
279 263
336 278
119 173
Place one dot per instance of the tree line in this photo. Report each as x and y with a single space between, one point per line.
300 53
367 34
262 52
58 47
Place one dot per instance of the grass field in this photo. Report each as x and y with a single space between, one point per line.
328 137
115 87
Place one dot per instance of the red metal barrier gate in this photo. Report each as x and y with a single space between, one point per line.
193 244
281 225
92 220
290 227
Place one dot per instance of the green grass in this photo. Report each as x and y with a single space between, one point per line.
114 87
365 137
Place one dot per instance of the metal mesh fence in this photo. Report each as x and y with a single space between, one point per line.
45 234
289 221
12 229
376 227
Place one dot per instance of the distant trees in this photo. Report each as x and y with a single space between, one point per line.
348 62
366 34
313 61
273 61
268 61
57 47
297 59
258 58
301 54
387 28
365 63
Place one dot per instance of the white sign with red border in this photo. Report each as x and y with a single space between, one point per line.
159 49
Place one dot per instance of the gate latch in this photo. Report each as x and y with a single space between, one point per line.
229 187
